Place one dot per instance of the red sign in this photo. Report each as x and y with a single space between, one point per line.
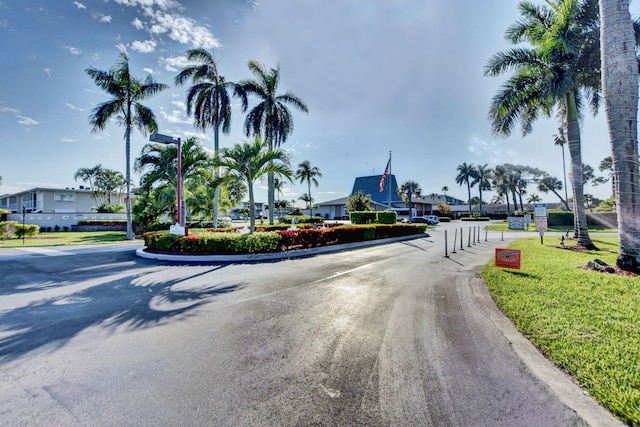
508 258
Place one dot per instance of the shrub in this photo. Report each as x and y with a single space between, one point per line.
557 218
102 222
7 229
444 219
301 219
387 217
364 217
212 243
475 218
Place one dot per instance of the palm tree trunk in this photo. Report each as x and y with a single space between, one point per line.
216 194
620 90
127 144
480 191
469 195
252 208
573 136
309 192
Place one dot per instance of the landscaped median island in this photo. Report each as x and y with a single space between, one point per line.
271 239
585 320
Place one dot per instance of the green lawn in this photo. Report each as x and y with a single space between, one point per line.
67 238
586 322
499 226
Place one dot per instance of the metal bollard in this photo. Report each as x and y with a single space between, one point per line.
455 237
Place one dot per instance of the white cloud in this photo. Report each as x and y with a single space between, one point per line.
105 18
24 120
180 105
146 46
147 70
8 110
176 116
65 139
47 71
138 24
173 64
73 107
4 23
72 50
180 29
79 5
162 4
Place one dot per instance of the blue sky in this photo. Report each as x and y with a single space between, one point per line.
404 76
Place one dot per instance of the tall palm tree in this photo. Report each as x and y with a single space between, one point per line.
465 176
250 161
620 87
308 173
271 118
408 190
126 92
502 183
444 190
481 176
209 100
559 70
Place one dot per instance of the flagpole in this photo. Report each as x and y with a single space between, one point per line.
389 186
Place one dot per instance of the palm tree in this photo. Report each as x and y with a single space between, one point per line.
308 173
278 187
620 87
126 92
158 163
481 176
209 100
550 183
556 72
250 161
408 190
501 182
444 190
534 198
271 118
465 176
561 141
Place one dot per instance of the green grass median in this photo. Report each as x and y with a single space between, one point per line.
63 238
587 322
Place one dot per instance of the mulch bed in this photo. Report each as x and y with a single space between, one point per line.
610 269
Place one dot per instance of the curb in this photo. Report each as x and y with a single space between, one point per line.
298 253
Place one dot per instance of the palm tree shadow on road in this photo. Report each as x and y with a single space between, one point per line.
135 300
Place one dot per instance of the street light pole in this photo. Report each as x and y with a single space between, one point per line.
166 139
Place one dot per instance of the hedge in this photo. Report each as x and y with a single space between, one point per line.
208 243
373 217
475 218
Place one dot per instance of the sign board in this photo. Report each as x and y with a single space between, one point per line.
508 258
540 209
516 223
177 229
541 223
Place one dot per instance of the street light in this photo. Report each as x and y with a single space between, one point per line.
165 139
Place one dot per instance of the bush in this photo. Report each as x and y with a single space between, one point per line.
102 222
475 218
10 229
364 217
212 243
7 229
557 218
301 219
444 219
387 217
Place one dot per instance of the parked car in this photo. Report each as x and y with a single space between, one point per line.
428 219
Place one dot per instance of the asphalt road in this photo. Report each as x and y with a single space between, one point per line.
389 335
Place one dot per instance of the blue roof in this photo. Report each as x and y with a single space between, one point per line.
371 185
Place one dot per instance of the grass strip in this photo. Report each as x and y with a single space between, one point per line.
63 238
587 322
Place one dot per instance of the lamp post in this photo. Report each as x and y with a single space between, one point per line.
165 139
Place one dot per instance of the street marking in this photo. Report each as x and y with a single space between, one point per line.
45 251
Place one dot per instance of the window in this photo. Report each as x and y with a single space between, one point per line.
64 197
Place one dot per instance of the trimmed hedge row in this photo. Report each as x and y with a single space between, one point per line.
209 243
373 217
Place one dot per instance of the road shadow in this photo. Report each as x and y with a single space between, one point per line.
129 294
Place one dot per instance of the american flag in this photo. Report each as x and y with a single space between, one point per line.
384 175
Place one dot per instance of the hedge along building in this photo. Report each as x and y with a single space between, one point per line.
51 207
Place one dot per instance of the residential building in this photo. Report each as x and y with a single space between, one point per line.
50 207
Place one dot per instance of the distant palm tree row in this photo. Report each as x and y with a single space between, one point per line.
209 101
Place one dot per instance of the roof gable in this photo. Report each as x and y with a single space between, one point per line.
371 185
